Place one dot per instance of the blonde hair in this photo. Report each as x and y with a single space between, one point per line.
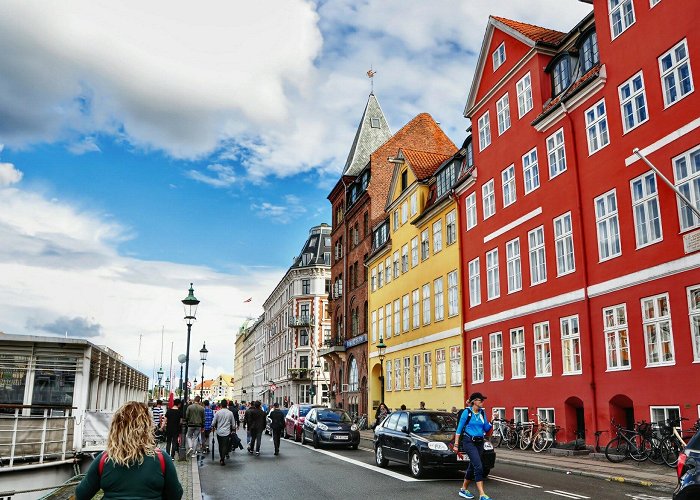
130 436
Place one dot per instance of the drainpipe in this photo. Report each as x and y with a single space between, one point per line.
465 378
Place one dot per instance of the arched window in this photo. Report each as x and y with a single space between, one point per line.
589 51
353 382
561 75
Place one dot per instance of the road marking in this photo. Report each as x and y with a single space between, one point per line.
566 494
572 494
513 482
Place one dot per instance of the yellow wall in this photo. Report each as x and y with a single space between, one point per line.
428 337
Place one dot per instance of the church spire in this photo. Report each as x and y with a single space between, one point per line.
372 132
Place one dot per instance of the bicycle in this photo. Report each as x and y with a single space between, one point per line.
672 443
500 432
527 434
597 435
545 437
362 423
626 443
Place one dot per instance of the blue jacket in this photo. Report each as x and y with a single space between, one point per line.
478 423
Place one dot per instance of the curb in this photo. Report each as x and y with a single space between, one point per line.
196 485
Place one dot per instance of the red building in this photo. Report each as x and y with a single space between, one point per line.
582 270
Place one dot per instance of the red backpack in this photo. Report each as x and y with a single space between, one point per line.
104 457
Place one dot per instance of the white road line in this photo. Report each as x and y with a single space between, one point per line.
513 482
572 494
564 494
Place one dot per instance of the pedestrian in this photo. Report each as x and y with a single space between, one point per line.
246 424
235 409
403 407
256 426
195 422
173 417
157 412
471 429
223 427
276 426
422 405
381 414
131 465
454 410
208 418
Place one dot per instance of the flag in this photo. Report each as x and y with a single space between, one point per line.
371 73
248 300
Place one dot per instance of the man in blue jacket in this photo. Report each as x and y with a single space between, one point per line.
472 427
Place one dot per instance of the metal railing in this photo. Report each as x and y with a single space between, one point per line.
300 321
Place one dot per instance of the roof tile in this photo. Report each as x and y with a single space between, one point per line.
533 32
424 163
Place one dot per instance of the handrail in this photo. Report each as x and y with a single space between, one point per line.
55 432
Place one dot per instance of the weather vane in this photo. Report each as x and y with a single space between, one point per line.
370 75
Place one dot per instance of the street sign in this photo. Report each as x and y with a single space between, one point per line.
189 384
273 388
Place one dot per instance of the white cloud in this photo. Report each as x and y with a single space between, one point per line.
281 214
86 145
223 176
9 174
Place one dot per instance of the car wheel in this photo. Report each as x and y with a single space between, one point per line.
417 469
379 456
315 441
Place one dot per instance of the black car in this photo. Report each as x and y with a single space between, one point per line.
423 439
268 421
331 426
689 471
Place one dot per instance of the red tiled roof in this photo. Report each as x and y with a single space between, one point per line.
534 33
423 163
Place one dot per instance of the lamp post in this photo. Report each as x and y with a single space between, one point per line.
381 349
314 372
190 304
203 356
167 385
160 380
180 359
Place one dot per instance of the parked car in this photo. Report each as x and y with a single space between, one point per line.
295 419
268 421
423 439
330 426
688 469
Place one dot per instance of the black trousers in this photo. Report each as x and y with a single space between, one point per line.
276 435
171 445
255 438
223 445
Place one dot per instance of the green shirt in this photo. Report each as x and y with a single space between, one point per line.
195 415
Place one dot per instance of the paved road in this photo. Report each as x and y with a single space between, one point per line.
302 472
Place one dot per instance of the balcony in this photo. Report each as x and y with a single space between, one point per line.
298 373
303 321
332 345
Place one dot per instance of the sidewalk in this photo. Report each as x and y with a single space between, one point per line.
188 474
641 474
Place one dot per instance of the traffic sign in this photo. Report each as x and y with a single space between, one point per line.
189 384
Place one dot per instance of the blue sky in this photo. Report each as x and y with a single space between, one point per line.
144 146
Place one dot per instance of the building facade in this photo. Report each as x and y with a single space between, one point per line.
581 265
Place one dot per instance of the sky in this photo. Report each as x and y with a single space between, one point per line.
148 145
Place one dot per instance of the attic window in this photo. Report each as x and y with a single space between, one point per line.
404 180
374 122
499 56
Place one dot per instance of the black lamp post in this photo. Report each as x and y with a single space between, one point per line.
181 359
160 380
203 356
190 304
381 349
167 385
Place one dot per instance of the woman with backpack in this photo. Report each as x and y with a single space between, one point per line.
131 466
471 429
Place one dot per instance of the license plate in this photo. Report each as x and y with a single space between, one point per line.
341 438
488 446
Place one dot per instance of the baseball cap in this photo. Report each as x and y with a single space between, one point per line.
476 395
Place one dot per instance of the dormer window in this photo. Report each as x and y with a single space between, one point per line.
561 75
589 51
499 56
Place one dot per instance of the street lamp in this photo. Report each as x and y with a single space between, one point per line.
381 349
181 359
316 371
190 304
203 356
167 385
160 380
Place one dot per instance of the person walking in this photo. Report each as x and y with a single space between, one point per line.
276 426
223 426
157 412
131 466
381 414
235 409
195 422
173 417
256 426
208 418
471 429
246 423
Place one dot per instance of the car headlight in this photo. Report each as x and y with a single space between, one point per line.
353 427
437 445
321 426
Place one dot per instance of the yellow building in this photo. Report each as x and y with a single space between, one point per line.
414 288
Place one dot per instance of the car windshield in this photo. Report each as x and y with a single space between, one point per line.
433 422
334 416
303 410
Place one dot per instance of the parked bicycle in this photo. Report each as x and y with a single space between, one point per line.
545 436
627 443
672 442
500 432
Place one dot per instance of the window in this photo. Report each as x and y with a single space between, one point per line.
676 77
597 127
570 345
404 213
489 199
493 287
437 236
545 415
556 153
499 56
452 294
374 326
543 350
524 91
515 281
380 275
496 355
397 374
508 179
426 304
517 352
404 180
660 414
471 211
503 114
484 131
407 373
658 337
455 365
428 369
397 317
389 370
415 296
607 225
686 170
380 322
353 377
589 52
446 178
633 102
405 313
305 286
645 206
374 122
414 204
440 368
387 318
694 315
439 300
564 244
531 171
303 337
424 245
387 270
474 283
451 227
404 259
538 266
396 219
397 272
621 16
416 371
561 75
477 360
521 414
653 3
616 337
374 279
414 252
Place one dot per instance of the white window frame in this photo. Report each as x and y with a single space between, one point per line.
415 296
380 321
414 252
397 267
477 345
571 336
374 279
693 294
543 349
470 208
387 320
440 368
633 102
389 370
374 326
508 185
518 366
672 71
607 226
405 313
546 415
451 227
407 373
424 244
616 332
503 113
426 304
404 213
597 131
564 244
439 294
404 258
484 127
380 275
521 414
654 324
488 195
474 282
556 153
452 294
397 374
455 365
397 317
496 356
414 204
437 236
531 171
499 56
387 270
667 413
645 204
417 381
493 284
513 266
524 91
428 369
688 182
538 256
619 17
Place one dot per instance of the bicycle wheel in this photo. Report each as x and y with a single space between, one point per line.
639 451
512 439
670 450
525 440
496 439
655 451
539 443
616 451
